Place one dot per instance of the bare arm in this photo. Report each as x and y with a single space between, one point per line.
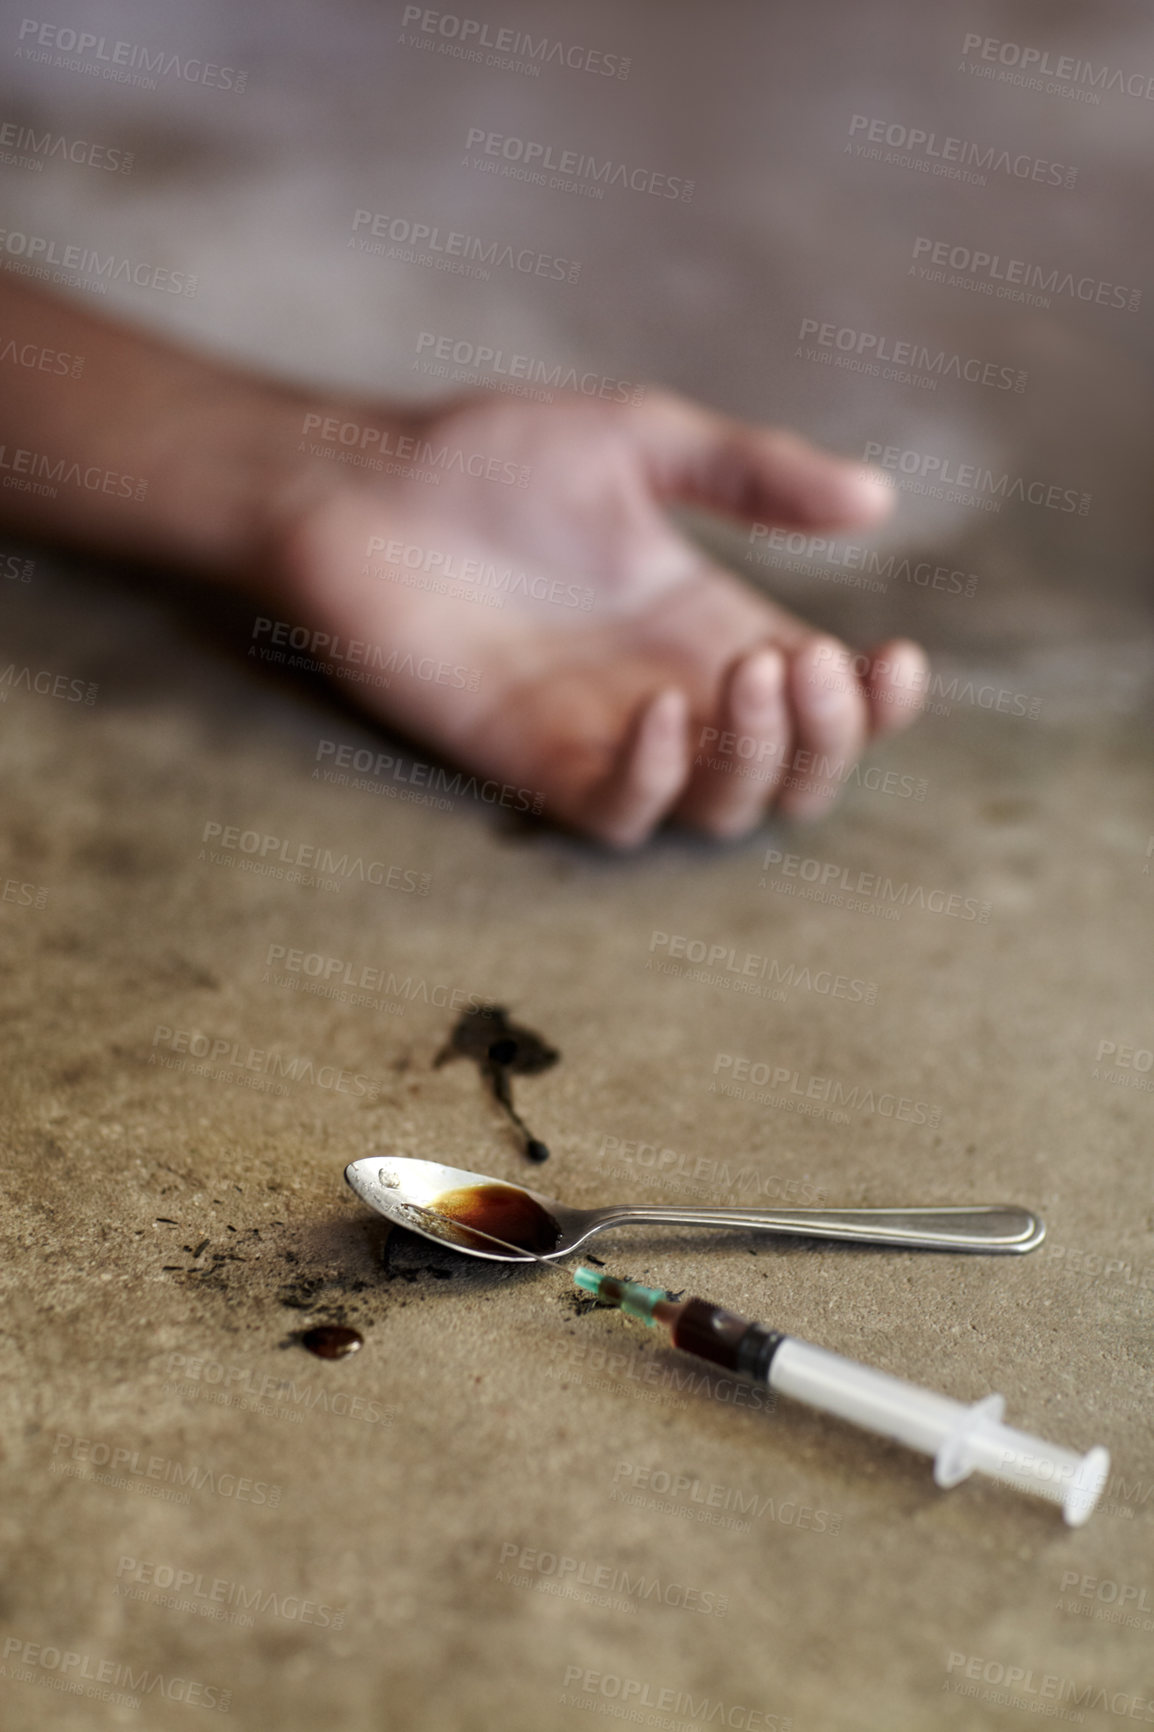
120 442
615 671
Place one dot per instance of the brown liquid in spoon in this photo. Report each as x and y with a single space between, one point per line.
503 1210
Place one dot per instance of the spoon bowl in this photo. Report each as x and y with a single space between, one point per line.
509 1223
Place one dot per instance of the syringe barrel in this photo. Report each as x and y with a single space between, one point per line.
962 1439
1075 1481
873 1399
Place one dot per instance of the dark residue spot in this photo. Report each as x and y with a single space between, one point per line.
501 1049
168 1221
200 1247
331 1340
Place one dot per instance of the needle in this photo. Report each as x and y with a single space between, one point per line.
443 1223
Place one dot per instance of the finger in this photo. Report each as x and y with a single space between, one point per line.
739 763
649 774
757 474
896 685
831 719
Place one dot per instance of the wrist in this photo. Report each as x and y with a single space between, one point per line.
295 455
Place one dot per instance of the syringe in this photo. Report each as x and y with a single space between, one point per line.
960 1438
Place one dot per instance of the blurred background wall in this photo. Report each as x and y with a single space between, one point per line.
811 194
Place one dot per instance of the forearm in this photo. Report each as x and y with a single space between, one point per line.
150 452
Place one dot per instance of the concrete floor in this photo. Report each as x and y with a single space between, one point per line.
166 1231
374 1543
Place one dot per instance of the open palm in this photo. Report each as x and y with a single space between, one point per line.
625 677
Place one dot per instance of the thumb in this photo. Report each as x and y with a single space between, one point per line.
699 457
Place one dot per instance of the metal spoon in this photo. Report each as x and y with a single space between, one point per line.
408 1192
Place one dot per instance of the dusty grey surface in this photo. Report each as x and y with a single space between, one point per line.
377 1543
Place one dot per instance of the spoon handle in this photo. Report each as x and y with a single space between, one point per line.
997 1227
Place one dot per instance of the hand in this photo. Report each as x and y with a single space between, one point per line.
613 709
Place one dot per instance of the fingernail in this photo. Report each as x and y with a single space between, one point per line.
829 676
667 712
759 681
